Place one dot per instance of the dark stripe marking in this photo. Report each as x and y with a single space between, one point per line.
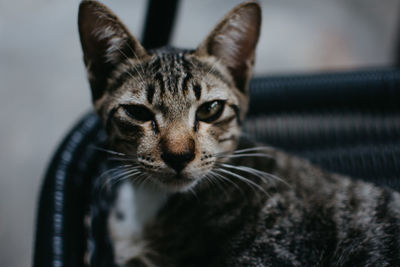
150 93
173 83
156 65
159 78
121 79
221 77
197 91
109 119
186 80
169 81
128 49
236 109
128 128
196 125
210 70
225 121
389 224
186 64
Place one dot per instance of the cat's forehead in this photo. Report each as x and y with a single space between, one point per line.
167 58
180 62
173 80
180 75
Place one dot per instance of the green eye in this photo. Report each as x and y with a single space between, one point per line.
138 112
210 111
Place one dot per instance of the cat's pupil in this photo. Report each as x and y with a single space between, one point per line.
138 112
210 111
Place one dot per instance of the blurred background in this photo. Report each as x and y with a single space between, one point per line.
43 88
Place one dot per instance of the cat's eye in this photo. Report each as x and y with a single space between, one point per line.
138 112
210 111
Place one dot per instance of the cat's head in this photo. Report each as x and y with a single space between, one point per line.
173 112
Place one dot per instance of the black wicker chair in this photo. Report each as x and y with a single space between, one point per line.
346 122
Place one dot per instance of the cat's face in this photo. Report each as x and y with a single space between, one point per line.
172 112
175 115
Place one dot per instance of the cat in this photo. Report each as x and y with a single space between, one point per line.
184 188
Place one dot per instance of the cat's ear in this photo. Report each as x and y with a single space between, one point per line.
233 42
106 42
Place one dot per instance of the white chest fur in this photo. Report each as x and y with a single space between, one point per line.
134 207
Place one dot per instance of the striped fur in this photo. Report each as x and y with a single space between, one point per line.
187 190
172 84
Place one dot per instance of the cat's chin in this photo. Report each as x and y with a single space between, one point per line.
176 183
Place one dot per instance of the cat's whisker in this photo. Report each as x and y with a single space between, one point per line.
122 176
225 179
137 58
193 192
217 181
119 168
109 151
129 173
147 180
118 156
211 181
255 172
109 172
139 180
252 149
262 155
213 66
243 179
243 151
125 159
146 261
127 58
112 179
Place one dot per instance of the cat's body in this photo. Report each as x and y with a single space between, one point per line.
311 218
182 187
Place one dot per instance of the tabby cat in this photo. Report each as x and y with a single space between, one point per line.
181 187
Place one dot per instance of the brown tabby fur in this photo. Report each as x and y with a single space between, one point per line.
228 201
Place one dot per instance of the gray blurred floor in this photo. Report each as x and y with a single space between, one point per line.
43 89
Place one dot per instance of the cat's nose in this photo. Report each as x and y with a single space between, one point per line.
177 161
177 148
